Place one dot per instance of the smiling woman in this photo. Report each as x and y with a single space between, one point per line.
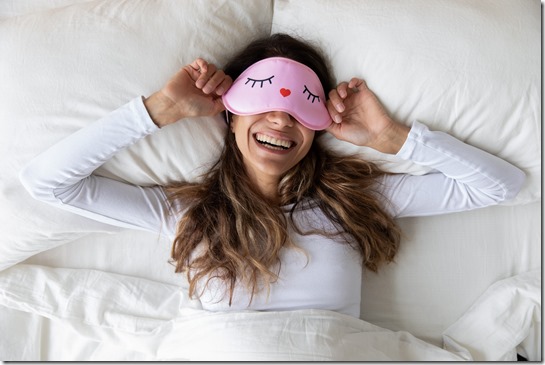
271 144
249 217
278 222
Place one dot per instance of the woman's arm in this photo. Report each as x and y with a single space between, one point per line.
62 175
464 178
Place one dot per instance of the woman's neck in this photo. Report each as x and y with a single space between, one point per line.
267 185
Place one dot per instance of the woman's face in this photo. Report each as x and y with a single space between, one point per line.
271 143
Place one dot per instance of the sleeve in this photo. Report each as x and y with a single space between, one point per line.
463 177
62 175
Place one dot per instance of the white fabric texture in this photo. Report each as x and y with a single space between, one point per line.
66 67
145 319
468 68
85 71
331 277
500 320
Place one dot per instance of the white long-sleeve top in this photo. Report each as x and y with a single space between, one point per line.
329 277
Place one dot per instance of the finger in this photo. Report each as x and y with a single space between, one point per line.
336 100
205 74
213 82
219 107
333 129
333 113
342 89
224 85
196 68
200 65
356 83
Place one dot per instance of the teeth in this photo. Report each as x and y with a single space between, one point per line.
273 141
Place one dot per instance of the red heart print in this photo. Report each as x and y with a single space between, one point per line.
285 92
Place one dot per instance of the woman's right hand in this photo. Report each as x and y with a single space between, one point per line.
194 91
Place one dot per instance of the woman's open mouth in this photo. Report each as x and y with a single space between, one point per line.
273 143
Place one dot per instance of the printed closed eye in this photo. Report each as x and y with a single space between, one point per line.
261 82
311 95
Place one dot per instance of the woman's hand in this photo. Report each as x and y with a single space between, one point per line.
359 118
194 91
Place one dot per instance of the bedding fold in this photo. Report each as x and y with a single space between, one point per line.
148 317
503 318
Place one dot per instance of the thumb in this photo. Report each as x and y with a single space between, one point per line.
334 129
218 105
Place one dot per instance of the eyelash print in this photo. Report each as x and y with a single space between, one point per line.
260 81
314 97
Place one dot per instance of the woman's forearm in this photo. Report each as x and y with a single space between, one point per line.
463 177
62 175
78 155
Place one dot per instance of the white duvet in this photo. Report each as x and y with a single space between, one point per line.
142 319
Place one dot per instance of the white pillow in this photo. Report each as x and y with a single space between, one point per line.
470 68
64 68
12 8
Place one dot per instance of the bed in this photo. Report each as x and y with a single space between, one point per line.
465 286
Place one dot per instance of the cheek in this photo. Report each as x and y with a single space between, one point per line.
309 136
236 129
241 143
305 151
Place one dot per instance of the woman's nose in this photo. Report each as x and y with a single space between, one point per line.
282 119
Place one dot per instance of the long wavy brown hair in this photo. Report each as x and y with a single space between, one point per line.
231 232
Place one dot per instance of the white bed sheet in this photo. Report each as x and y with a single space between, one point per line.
440 272
141 319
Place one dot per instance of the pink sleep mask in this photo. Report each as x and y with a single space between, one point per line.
279 84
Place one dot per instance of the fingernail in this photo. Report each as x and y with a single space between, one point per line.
337 118
219 90
339 107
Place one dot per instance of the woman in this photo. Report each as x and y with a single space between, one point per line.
278 222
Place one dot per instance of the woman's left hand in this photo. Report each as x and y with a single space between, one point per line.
359 118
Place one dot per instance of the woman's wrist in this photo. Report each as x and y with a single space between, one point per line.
162 110
391 139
